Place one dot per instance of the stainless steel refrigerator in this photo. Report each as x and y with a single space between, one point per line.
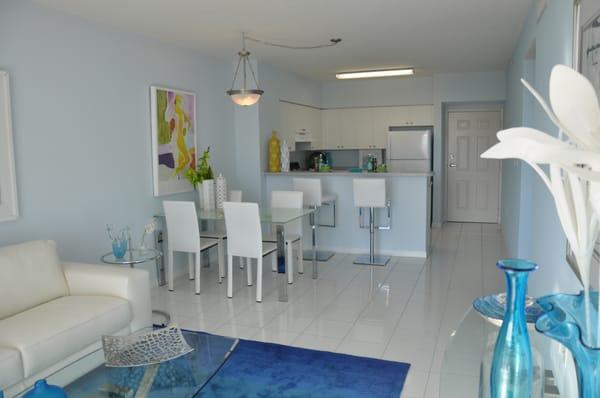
409 150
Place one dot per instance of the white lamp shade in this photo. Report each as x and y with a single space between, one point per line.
245 97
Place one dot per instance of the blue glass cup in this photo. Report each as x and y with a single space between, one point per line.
119 248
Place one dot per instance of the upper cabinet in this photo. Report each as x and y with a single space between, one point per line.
348 128
300 123
331 129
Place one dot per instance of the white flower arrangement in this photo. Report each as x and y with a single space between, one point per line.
149 228
573 176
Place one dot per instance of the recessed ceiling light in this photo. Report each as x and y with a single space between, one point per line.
365 74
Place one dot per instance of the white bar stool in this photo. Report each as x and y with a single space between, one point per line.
370 193
315 198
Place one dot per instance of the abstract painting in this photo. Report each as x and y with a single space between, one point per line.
173 139
9 209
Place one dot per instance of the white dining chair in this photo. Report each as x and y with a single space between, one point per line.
220 234
244 239
184 236
292 230
235 195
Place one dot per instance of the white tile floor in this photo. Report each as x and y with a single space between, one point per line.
405 315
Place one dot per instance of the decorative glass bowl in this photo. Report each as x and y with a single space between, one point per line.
492 307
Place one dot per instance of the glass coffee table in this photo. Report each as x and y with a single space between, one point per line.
180 377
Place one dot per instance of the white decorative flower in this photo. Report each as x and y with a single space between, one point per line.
573 177
150 226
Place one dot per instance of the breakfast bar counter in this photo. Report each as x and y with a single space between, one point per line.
410 199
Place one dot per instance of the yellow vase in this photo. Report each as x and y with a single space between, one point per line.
274 154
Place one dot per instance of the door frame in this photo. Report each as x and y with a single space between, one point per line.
473 107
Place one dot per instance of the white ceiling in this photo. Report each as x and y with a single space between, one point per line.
431 35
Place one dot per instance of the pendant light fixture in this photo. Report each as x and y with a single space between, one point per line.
244 96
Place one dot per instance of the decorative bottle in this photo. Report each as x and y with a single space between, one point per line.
274 154
285 157
221 190
512 371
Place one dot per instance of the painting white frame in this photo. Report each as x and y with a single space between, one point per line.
9 205
180 186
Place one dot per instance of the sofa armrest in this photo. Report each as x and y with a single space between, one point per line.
106 280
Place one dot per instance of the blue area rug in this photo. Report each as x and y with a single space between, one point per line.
266 370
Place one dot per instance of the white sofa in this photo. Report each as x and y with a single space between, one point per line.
53 314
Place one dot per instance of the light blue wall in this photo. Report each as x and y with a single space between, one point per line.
378 92
530 225
80 96
529 219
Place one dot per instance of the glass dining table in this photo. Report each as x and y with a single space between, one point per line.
277 217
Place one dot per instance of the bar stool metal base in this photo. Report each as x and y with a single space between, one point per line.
321 255
376 260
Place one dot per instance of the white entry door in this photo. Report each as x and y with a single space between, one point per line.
473 183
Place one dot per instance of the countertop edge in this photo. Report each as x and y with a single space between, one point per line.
347 174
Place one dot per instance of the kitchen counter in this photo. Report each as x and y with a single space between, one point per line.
346 173
410 198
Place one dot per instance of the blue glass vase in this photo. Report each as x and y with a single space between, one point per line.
572 320
119 248
512 371
42 389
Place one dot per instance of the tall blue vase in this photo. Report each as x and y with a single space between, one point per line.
512 371
572 320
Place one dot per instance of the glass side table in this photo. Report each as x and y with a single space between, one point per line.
139 256
132 257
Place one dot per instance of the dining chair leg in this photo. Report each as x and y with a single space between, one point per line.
259 265
274 263
289 261
170 269
242 260
249 271
197 276
229 275
190 266
221 259
300 257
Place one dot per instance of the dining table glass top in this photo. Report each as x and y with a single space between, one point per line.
268 215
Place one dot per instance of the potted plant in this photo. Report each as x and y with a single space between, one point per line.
203 176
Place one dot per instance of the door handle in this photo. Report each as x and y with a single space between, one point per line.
452 165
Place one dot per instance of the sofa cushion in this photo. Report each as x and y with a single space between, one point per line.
11 367
31 275
48 333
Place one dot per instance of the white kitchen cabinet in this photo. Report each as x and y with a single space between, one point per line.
299 122
401 116
349 128
356 128
330 129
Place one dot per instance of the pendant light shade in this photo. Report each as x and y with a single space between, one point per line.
244 96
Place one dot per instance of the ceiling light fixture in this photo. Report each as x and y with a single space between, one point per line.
365 74
244 96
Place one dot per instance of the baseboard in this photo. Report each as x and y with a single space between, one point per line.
353 250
